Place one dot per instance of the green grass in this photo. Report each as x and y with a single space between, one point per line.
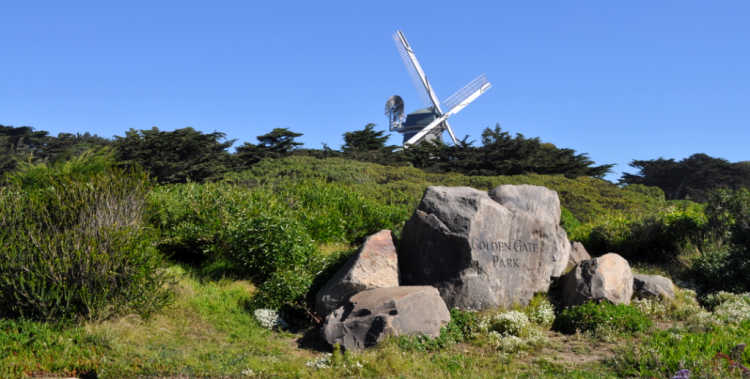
208 331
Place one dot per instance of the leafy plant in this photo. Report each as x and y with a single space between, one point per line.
599 317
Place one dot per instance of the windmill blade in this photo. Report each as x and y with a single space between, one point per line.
415 69
479 86
450 132
426 130
480 83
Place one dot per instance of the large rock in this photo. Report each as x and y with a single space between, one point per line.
652 286
375 265
484 250
371 315
604 278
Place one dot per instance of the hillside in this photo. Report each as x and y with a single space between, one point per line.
137 278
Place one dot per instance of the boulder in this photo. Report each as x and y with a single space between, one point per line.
652 286
578 254
370 315
375 265
604 278
484 250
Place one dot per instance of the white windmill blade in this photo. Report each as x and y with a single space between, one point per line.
450 132
479 83
463 97
427 129
415 69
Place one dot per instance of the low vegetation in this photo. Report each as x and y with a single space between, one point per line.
106 272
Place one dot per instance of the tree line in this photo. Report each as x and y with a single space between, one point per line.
190 155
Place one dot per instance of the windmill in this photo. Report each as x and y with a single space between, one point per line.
428 123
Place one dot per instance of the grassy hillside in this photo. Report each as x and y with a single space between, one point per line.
587 198
270 236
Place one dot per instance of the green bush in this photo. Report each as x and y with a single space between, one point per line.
656 238
197 220
264 245
600 318
74 245
726 264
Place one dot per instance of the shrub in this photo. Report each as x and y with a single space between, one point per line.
656 238
263 245
726 266
74 245
196 220
601 317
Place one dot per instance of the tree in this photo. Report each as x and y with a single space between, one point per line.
274 144
691 178
279 141
366 139
177 156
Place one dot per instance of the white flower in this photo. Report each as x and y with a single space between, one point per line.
511 323
321 362
543 314
270 319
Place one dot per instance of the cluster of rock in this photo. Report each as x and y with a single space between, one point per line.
468 249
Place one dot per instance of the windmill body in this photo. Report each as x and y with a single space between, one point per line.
428 123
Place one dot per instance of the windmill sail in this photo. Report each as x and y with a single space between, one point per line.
480 83
402 45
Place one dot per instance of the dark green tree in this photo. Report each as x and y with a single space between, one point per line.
279 141
274 144
691 178
176 156
367 139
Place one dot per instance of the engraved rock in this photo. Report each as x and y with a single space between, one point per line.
484 250
604 278
369 316
375 265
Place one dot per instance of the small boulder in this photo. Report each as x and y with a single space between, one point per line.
578 254
652 286
604 278
371 315
375 265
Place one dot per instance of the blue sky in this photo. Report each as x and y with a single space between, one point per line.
617 80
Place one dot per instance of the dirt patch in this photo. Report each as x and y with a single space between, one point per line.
576 349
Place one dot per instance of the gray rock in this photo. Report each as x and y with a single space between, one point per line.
375 265
652 286
481 252
604 278
578 254
371 315
540 202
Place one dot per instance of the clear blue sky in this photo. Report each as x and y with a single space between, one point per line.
617 80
